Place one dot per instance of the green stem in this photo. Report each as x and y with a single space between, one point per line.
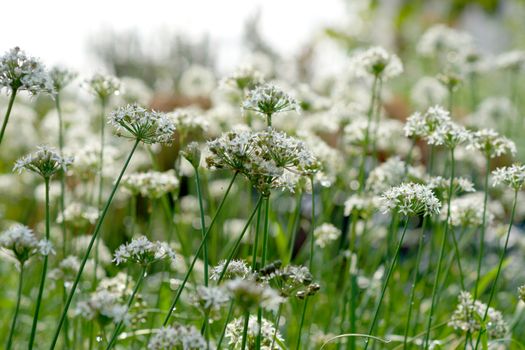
8 113
203 226
385 283
196 256
228 317
118 327
367 134
414 280
295 222
483 224
301 324
435 287
276 325
263 263
17 308
44 272
458 258
90 246
500 265
245 329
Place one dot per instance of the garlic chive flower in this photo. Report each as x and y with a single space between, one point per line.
491 144
245 77
267 100
211 299
326 233
103 86
22 242
135 122
440 39
21 72
423 125
235 269
512 60
410 199
469 314
466 211
60 78
289 281
45 162
192 153
512 176
250 295
142 251
449 134
234 332
377 62
151 184
440 185
177 337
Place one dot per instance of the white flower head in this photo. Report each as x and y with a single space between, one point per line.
491 143
234 332
249 294
21 72
144 252
151 184
45 162
103 86
177 337
326 233
378 62
512 176
267 99
22 242
410 199
136 122
235 269
60 78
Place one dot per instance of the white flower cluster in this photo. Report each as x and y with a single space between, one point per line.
45 162
390 173
21 72
22 242
235 269
365 205
107 302
440 39
442 185
103 86
512 176
326 233
449 134
423 125
490 143
494 112
263 157
234 332
78 215
177 337
410 199
144 252
466 211
211 299
267 99
244 77
60 78
512 60
151 184
249 295
469 314
378 62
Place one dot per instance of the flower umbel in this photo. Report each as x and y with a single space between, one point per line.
142 251
45 162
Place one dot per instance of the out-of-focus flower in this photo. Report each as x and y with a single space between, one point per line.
234 332
60 78
378 62
441 40
151 184
177 337
142 251
22 242
197 81
103 86
428 91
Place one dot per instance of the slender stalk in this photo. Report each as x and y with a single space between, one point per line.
17 307
116 331
295 222
228 317
276 325
90 246
500 265
367 133
263 263
414 280
483 224
435 287
203 226
245 330
458 258
8 113
310 263
192 265
44 272
385 283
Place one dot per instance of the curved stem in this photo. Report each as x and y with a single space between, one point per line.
435 287
90 246
483 224
385 284
196 256
415 279
500 265
118 327
44 271
17 308
8 113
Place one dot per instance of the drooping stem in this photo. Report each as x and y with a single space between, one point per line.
8 113
116 331
203 225
435 287
500 265
483 224
17 307
90 246
385 283
196 256
44 271
415 279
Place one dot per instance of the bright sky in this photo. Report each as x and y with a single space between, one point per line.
56 30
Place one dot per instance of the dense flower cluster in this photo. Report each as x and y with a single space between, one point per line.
21 72
440 39
136 122
22 242
424 125
78 215
378 62
234 332
142 251
326 233
45 161
490 143
469 314
250 295
151 184
235 269
268 100
512 176
410 199
103 86
60 78
244 77
177 337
